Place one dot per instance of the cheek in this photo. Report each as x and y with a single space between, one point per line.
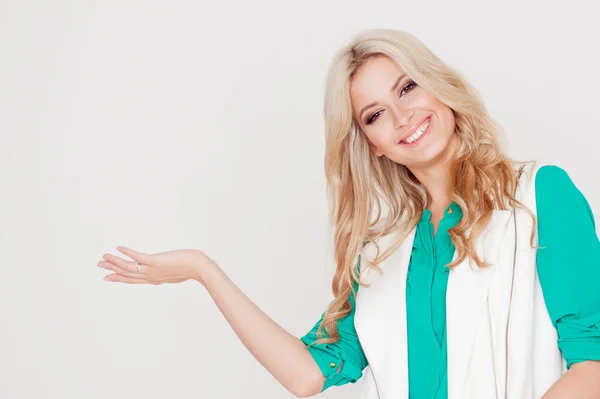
382 138
446 119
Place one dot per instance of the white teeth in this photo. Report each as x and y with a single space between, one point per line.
418 133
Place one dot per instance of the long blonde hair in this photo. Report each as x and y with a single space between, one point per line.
358 180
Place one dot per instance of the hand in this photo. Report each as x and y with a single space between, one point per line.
164 267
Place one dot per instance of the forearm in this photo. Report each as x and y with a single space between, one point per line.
281 353
581 381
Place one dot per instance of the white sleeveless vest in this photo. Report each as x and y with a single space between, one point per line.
479 322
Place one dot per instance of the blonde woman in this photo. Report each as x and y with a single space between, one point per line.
482 280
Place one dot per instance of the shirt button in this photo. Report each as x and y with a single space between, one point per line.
449 210
332 365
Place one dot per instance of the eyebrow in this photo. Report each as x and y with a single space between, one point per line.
375 103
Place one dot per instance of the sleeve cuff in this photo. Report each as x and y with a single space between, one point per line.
579 339
335 370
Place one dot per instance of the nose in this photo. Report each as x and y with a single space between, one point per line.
401 115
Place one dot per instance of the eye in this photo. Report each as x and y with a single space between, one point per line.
373 117
409 87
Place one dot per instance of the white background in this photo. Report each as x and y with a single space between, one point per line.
183 124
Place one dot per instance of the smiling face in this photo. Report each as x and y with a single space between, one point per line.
402 120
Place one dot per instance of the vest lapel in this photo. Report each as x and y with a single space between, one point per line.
380 317
466 298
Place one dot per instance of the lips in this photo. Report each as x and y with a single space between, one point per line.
414 129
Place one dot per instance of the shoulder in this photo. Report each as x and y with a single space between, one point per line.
549 175
553 183
546 177
547 185
559 198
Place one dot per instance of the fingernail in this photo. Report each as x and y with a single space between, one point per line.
107 278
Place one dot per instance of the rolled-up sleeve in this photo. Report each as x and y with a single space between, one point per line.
341 362
569 265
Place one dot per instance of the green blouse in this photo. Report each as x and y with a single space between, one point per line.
568 269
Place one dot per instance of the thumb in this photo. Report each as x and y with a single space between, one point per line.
137 256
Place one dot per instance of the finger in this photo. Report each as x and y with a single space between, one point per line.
137 256
117 269
125 265
123 279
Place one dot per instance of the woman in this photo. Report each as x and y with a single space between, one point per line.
480 282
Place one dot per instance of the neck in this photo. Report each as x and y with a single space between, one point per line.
436 178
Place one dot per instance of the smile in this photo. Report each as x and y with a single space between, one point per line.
417 136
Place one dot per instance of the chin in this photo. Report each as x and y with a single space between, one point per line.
428 155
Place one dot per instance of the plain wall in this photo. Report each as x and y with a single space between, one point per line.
183 124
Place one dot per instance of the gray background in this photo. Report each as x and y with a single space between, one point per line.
188 124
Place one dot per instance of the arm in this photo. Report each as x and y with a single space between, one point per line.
301 367
581 381
569 272
341 362
282 354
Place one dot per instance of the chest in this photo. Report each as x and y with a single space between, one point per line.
485 310
436 218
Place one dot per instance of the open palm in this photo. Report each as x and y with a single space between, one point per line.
163 267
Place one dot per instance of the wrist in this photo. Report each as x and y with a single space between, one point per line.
205 269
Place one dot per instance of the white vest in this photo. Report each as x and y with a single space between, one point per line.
477 316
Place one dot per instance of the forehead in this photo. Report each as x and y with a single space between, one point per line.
373 80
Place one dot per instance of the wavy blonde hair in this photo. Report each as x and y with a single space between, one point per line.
358 180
